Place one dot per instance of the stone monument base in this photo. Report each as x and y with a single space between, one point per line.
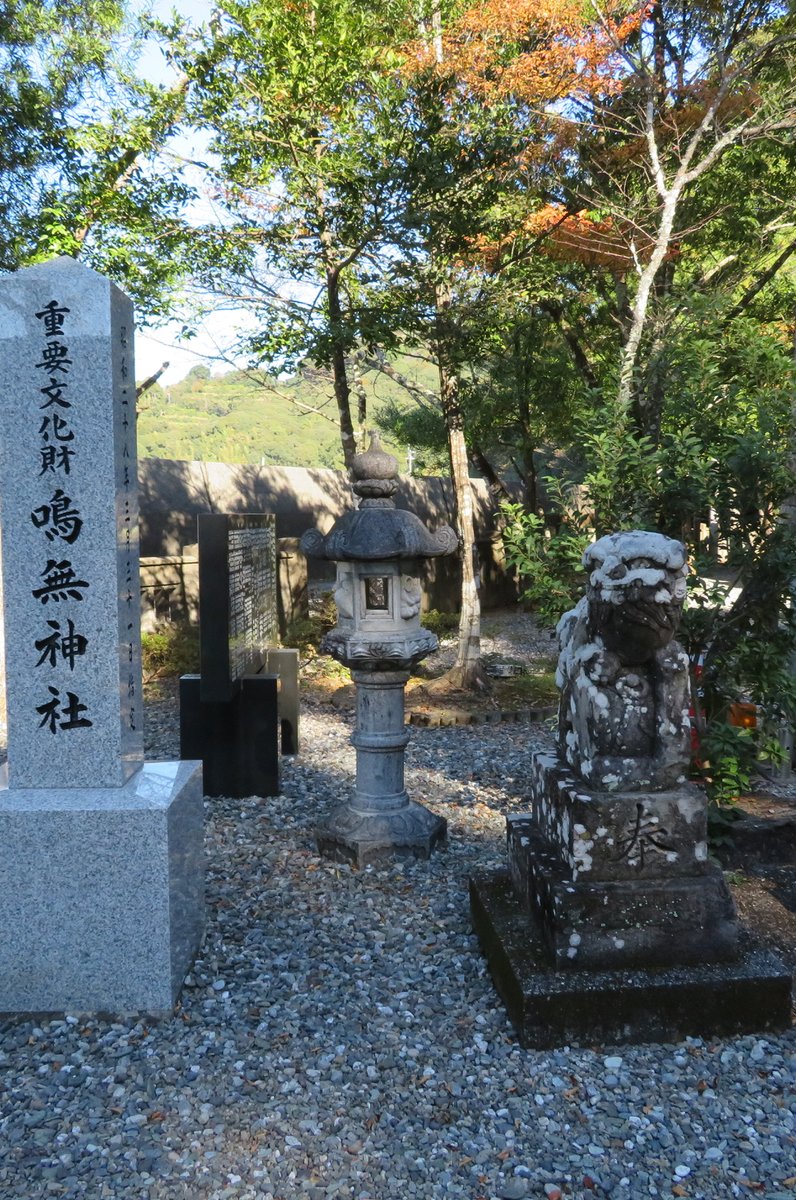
582 1007
102 898
619 879
349 835
237 740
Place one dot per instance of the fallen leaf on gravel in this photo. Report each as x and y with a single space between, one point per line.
679 1190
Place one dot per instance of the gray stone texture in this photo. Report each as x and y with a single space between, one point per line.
379 637
603 921
3 715
624 718
610 921
380 821
102 903
631 835
68 492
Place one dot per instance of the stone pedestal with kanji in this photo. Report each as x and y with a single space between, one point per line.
100 854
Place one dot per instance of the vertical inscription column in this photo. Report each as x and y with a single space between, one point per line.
68 521
127 490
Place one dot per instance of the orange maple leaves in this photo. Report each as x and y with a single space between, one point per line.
537 51
572 237
579 237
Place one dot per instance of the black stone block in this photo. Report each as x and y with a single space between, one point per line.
582 1007
237 740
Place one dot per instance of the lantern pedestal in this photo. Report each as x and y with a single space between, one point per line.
380 821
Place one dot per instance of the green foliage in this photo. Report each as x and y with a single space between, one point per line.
247 417
744 652
306 633
443 624
726 761
547 563
170 650
52 58
81 133
298 102
733 460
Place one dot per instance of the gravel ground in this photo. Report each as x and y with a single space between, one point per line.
340 1037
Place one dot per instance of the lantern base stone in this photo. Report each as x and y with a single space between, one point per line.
362 838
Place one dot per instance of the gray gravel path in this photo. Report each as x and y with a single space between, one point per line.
340 1037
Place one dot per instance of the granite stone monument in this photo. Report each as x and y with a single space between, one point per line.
229 713
612 923
102 904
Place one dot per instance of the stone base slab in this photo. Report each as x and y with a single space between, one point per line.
102 897
613 923
555 1008
352 836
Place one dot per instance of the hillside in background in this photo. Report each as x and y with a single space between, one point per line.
248 418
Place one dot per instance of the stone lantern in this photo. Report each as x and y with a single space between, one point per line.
378 635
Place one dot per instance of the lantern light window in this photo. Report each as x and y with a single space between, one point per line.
377 593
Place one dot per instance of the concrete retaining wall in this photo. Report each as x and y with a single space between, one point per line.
172 494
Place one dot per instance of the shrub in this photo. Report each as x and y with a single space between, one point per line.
548 564
440 623
171 649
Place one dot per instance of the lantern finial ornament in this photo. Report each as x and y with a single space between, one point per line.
375 472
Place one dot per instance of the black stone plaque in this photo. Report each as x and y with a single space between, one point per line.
238 618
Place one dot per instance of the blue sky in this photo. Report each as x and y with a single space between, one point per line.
156 346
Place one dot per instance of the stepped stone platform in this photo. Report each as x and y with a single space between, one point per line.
550 1007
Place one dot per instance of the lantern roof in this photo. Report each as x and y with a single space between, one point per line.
377 529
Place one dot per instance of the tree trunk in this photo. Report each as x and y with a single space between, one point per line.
466 671
497 488
628 395
342 390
